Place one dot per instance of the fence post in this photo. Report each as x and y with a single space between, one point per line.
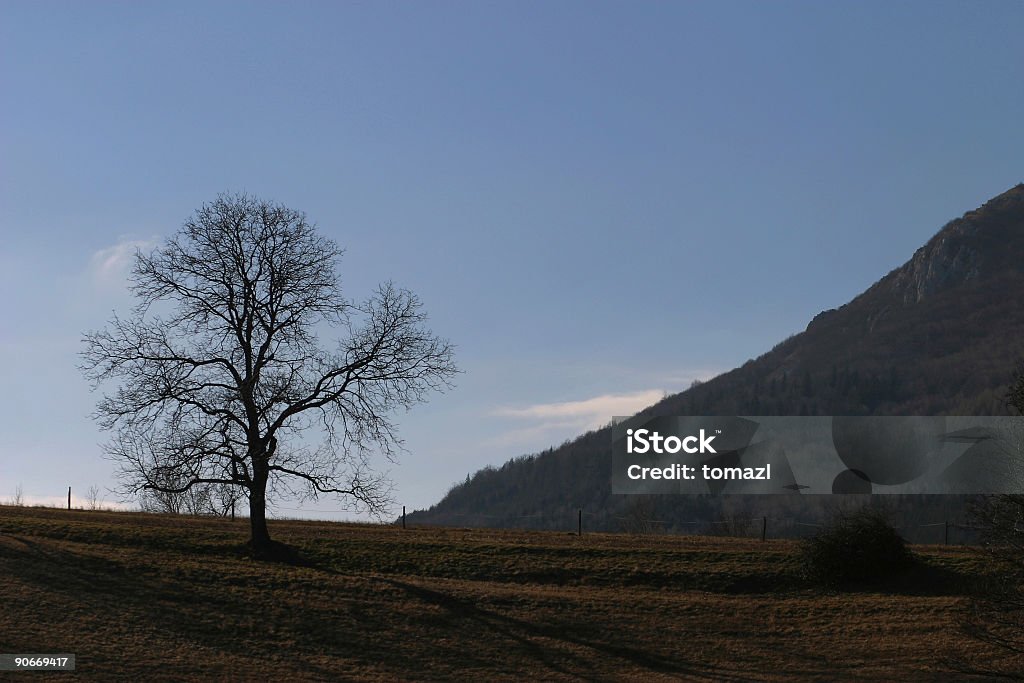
69 498
945 539
764 528
579 522
232 510
403 516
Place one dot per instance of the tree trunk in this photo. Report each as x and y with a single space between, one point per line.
260 539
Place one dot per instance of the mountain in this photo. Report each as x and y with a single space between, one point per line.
940 335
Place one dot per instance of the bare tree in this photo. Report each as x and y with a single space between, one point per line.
639 516
19 498
92 498
199 499
733 525
162 502
220 377
995 614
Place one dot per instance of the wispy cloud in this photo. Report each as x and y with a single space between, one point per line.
543 422
595 411
111 264
684 379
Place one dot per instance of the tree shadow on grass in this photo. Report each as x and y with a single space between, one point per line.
278 553
362 622
172 607
525 634
435 643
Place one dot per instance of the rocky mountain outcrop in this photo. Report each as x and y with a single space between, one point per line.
957 254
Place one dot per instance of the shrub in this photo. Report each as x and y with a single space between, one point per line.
861 547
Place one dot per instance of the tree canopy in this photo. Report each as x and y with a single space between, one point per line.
220 378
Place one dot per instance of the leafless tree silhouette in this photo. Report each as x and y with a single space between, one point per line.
199 499
996 613
92 498
220 378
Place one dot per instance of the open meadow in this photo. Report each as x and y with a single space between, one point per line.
150 597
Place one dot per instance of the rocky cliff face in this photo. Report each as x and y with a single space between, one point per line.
982 244
957 254
946 261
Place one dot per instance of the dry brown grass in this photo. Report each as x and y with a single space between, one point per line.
148 597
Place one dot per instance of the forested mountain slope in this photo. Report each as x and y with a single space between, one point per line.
940 335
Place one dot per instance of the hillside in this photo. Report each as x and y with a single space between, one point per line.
170 598
940 335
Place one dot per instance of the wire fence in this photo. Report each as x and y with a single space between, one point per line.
947 532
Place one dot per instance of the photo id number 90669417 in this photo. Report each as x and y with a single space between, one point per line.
37 662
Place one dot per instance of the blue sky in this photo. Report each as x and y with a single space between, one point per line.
597 202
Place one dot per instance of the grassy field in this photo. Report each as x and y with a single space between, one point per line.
147 597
